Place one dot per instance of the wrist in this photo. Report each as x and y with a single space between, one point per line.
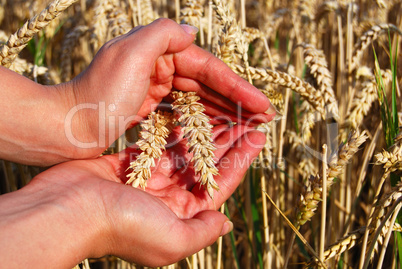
42 229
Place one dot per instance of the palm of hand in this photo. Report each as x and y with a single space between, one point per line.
140 226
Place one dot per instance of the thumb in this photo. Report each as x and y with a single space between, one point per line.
199 232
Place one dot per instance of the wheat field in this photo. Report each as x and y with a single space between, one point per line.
326 190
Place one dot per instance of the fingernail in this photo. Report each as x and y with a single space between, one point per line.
227 227
271 110
192 30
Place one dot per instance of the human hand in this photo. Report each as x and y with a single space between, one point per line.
133 73
82 209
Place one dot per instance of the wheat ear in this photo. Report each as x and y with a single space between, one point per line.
229 33
275 97
191 13
312 193
368 37
363 99
67 48
119 22
308 92
19 40
342 245
152 141
198 131
381 211
315 60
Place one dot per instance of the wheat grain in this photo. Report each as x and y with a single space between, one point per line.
198 131
250 34
154 132
192 12
229 36
275 97
18 41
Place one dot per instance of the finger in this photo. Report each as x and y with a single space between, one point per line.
177 159
188 84
160 37
199 232
215 74
186 175
232 166
221 115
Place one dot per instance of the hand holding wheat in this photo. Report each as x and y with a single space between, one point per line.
129 77
93 213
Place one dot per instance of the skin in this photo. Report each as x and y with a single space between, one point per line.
81 207
127 79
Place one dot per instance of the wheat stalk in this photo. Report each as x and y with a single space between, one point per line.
154 132
198 131
19 40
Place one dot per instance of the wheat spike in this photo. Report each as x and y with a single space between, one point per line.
154 132
315 60
147 12
118 22
67 48
19 40
380 211
308 92
192 12
229 37
342 245
345 152
363 99
312 193
275 97
250 34
368 37
198 131
100 24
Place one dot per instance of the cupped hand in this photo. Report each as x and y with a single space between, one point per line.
94 213
132 74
